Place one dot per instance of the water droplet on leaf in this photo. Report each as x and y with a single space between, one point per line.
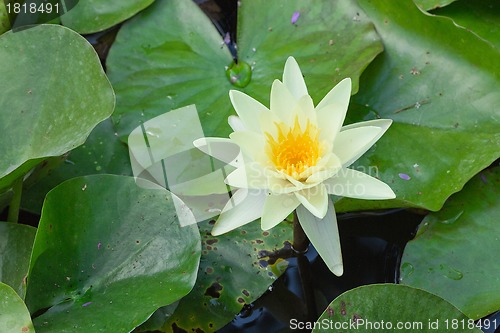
406 270
239 74
450 272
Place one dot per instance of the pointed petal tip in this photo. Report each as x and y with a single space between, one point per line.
218 230
347 82
234 92
275 83
347 79
338 270
263 228
199 142
391 194
291 61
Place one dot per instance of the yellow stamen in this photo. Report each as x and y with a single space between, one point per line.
294 150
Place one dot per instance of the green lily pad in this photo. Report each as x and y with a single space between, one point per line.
90 16
480 16
4 18
454 254
14 314
56 94
235 269
16 242
388 308
162 61
432 4
101 153
439 83
107 254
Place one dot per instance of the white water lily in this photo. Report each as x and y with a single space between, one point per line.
293 156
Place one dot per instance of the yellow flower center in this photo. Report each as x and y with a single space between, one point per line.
294 150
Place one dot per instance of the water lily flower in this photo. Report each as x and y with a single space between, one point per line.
293 156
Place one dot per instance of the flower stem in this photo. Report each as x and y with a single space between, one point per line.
15 203
300 240
304 268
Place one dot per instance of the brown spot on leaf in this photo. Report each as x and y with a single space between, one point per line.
330 311
245 292
214 290
342 308
241 300
212 241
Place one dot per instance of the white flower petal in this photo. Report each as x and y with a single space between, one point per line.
248 109
331 165
354 184
267 123
293 79
277 208
251 144
383 124
221 148
339 95
324 236
352 143
315 199
304 111
330 119
278 185
235 123
282 102
244 206
250 175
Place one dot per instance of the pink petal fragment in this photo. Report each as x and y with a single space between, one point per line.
86 304
99 245
404 176
295 17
